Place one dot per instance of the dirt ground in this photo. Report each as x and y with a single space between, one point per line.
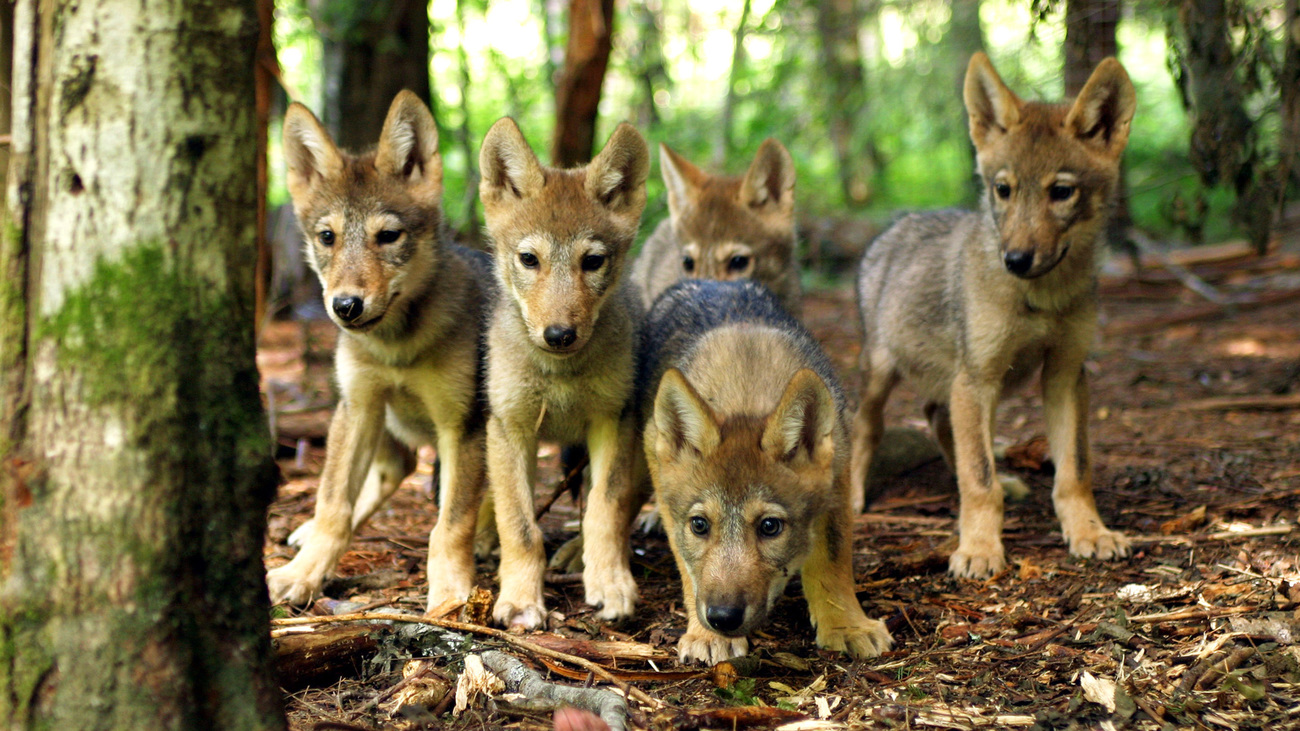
1196 434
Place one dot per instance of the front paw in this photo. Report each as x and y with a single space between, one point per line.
862 639
302 534
524 615
977 561
1100 542
289 584
448 585
611 588
710 648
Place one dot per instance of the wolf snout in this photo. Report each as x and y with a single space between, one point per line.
559 336
1019 262
348 308
725 618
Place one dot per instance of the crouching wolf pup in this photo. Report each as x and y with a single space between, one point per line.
747 446
968 304
411 310
724 228
561 354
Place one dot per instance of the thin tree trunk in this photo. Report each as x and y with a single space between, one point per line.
725 146
965 36
577 93
136 460
838 22
1288 81
472 231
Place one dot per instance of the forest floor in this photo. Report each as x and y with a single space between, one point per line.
1196 434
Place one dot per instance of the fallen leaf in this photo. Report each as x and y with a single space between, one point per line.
1184 523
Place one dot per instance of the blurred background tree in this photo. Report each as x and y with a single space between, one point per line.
864 93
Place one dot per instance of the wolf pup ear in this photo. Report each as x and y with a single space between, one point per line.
683 420
408 146
769 184
800 430
507 164
1104 109
681 178
992 107
309 151
616 177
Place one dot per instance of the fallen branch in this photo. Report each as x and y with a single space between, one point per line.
1190 613
519 642
1181 273
1196 314
1223 535
611 707
1265 402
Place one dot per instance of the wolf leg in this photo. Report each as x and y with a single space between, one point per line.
979 551
878 380
461 483
940 419
611 506
511 466
841 624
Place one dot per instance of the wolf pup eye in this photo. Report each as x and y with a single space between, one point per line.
738 263
388 236
528 259
592 262
700 526
326 238
688 264
771 527
1059 192
1003 190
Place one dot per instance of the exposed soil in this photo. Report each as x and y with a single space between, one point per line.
1200 628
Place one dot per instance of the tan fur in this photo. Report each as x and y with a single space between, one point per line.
721 227
737 452
408 364
545 223
942 308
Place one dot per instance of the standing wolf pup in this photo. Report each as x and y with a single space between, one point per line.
747 446
561 355
966 305
411 311
724 227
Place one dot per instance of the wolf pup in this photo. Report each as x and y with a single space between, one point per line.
747 445
969 304
724 227
411 310
561 354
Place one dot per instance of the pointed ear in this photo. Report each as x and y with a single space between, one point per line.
684 422
309 151
992 107
1104 109
769 184
681 178
800 430
408 146
507 164
616 177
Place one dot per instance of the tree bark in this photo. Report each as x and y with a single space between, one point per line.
472 231
725 145
577 91
134 459
265 67
838 22
372 51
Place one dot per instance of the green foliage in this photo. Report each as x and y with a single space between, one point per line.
741 693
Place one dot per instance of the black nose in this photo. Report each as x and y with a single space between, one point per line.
725 617
1018 262
348 308
558 336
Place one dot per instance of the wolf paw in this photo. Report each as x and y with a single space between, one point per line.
612 589
1102 543
701 645
486 540
530 615
289 585
869 638
1013 488
650 522
448 586
302 534
967 563
568 557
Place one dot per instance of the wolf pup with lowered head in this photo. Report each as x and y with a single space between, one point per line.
561 355
966 305
411 309
747 446
724 228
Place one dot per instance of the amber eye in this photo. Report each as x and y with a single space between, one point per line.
1003 190
388 236
528 259
592 262
771 527
688 264
700 526
737 263
1059 192
326 238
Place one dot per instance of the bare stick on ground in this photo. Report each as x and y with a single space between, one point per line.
518 678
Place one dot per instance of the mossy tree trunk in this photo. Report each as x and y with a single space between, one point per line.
134 456
578 88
